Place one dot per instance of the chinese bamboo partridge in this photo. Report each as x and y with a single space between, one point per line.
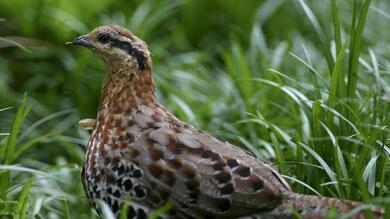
138 151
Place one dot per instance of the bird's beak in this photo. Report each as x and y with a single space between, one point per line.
82 40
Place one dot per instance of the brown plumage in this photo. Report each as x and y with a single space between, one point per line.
140 151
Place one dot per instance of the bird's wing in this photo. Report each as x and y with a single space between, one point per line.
205 174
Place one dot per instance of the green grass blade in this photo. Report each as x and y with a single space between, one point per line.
66 208
4 109
369 174
331 174
23 201
14 43
355 46
124 209
337 80
251 147
336 26
42 121
27 145
320 33
11 143
161 211
303 184
338 160
279 155
18 120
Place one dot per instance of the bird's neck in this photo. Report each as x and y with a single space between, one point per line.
127 89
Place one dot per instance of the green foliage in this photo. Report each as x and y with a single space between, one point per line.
304 84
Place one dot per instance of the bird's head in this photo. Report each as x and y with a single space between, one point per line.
117 47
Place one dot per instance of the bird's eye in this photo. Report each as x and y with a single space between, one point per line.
103 38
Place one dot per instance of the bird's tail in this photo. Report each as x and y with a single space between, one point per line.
316 207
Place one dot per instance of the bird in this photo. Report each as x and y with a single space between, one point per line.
140 153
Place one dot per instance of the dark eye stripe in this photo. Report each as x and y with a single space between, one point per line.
125 46
133 51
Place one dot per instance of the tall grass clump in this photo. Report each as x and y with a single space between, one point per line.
334 135
31 188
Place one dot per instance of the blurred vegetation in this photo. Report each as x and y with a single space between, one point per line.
302 83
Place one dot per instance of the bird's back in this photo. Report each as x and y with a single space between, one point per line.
150 157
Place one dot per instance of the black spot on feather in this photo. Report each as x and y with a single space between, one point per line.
206 154
219 165
244 171
117 193
223 177
232 163
227 189
257 185
128 184
115 207
139 191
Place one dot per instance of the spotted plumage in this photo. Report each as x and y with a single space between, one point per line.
138 151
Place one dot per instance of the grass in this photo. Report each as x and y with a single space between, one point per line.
304 84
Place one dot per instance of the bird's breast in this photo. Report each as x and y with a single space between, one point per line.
113 170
